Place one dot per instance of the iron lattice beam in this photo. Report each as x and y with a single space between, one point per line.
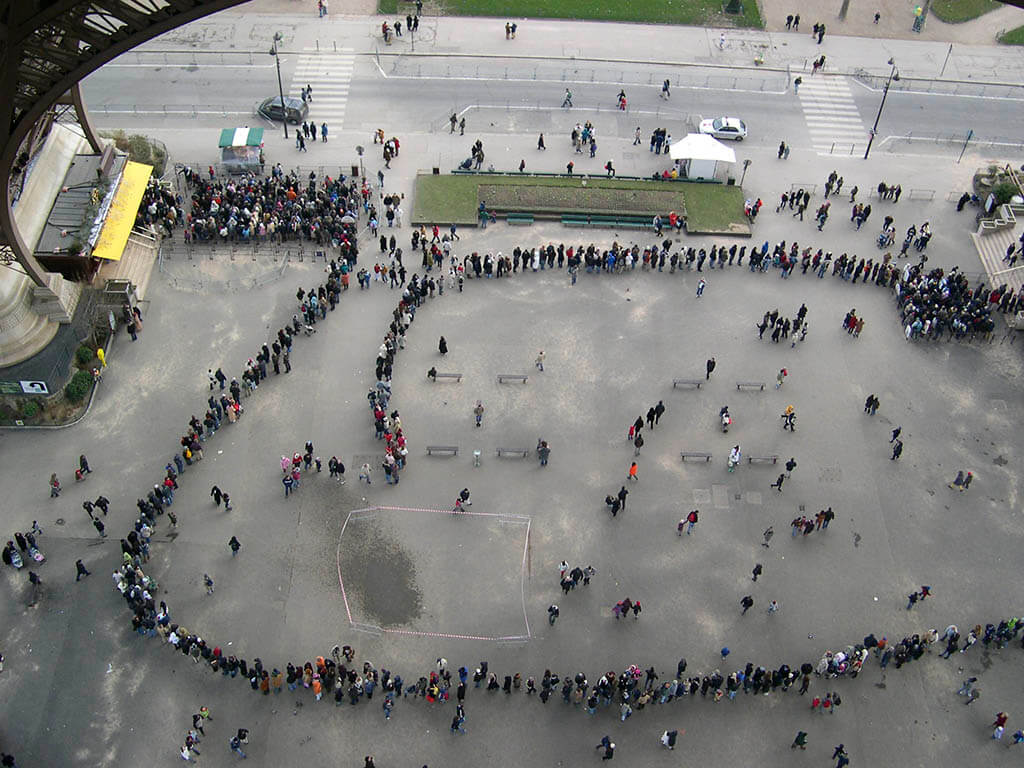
47 47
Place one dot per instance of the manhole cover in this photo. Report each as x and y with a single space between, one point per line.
59 521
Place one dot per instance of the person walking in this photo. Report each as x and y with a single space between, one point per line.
608 746
710 366
965 689
701 285
100 528
80 570
552 613
442 346
778 483
478 412
780 377
691 520
958 482
634 471
638 443
543 452
756 572
747 602
235 744
773 607
768 533
897 449
235 545
539 362
800 740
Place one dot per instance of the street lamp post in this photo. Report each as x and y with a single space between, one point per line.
746 164
280 87
893 75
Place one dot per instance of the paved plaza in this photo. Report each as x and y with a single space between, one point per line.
388 570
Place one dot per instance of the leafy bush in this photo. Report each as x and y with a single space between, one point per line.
30 409
139 149
1004 191
84 355
78 387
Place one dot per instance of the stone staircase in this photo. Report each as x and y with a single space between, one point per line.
136 264
58 300
991 241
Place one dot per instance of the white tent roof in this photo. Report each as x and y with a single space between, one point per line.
700 146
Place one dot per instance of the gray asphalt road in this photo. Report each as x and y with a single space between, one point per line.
141 91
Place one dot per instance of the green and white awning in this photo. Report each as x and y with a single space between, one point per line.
241 137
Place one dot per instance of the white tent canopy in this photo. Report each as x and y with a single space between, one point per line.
700 146
698 156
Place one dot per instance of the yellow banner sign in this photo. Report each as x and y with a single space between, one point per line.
123 209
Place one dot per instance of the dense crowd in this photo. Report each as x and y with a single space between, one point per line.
932 301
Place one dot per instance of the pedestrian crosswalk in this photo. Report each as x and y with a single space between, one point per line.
832 116
329 75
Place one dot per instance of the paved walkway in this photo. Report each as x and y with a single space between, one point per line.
897 18
895 23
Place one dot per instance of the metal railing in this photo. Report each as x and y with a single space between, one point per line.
954 142
1010 91
613 76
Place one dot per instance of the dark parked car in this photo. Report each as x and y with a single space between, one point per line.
295 110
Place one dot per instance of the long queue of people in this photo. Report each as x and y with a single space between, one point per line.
933 302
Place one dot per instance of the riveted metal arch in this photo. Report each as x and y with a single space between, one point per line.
47 47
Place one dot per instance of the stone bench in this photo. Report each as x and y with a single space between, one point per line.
686 383
695 455
451 449
520 377
749 385
521 453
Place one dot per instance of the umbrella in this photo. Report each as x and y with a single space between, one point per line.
348 219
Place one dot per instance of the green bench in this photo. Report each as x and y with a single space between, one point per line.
519 218
611 222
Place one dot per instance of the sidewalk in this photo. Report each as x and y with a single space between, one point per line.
607 41
897 18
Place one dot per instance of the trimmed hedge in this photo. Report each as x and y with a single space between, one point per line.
78 387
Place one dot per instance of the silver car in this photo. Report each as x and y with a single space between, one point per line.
725 128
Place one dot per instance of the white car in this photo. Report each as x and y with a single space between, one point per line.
724 128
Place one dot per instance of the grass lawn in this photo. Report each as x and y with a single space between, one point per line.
454 198
1013 37
714 208
955 11
696 12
